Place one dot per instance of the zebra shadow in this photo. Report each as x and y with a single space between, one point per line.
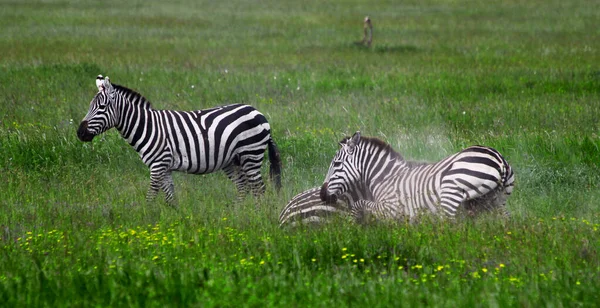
386 48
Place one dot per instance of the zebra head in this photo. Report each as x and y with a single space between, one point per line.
101 116
343 171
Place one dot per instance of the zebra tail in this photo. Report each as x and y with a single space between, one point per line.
275 160
509 182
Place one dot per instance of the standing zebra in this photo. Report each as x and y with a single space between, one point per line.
477 178
307 208
232 138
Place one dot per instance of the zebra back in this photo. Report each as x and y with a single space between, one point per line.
308 208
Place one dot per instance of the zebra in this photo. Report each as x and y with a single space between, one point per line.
308 208
231 138
473 180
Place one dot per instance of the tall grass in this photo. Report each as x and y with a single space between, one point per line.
522 77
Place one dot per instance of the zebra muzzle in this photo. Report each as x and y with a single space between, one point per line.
82 132
325 196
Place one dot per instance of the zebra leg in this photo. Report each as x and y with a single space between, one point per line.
251 169
500 201
169 188
256 184
474 199
506 192
160 178
237 177
451 197
492 202
365 211
156 178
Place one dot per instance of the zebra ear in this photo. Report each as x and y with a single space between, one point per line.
99 83
354 140
107 85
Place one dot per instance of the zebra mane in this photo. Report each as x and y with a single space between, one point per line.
388 148
132 96
378 143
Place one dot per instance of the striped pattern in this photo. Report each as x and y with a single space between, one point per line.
474 180
232 138
308 208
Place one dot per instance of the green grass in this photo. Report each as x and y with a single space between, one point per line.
522 77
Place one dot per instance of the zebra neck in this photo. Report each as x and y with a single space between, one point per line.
380 177
137 124
359 192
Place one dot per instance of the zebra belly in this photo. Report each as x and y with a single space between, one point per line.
185 164
415 204
192 165
190 162
419 191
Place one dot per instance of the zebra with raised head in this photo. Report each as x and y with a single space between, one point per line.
308 208
476 179
231 138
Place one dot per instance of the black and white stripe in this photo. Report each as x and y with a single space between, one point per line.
232 138
308 208
476 179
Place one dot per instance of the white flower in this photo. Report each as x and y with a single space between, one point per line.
193 86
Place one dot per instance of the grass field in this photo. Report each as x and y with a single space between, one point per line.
520 76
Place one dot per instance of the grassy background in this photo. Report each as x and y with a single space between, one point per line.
520 76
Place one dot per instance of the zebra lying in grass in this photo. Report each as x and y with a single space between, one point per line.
308 208
474 180
231 138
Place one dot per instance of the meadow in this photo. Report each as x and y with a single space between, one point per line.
520 76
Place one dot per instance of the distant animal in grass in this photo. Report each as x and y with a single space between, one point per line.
367 33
